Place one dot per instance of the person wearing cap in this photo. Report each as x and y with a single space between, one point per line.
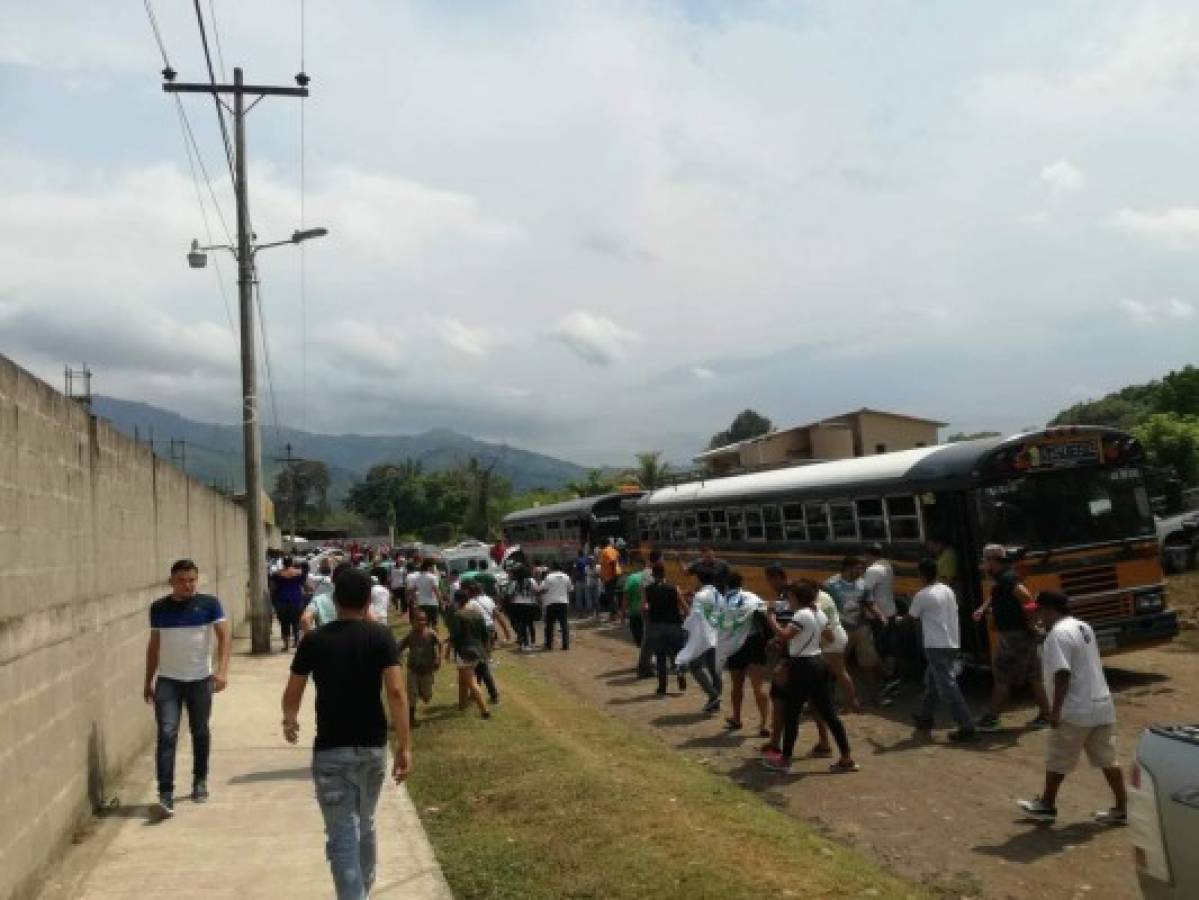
1015 658
1082 715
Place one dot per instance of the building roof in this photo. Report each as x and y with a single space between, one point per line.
882 412
729 449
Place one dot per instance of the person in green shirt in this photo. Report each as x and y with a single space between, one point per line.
634 592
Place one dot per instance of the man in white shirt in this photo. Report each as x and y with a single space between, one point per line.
426 592
554 592
937 609
1081 714
878 599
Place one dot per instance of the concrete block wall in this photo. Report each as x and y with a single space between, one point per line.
90 523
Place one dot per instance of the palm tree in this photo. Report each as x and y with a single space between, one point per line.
652 473
593 486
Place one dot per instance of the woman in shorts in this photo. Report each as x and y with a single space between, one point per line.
467 647
749 661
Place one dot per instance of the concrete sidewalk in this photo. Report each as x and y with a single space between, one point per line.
260 834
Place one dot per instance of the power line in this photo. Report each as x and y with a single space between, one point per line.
157 35
216 38
266 356
216 101
303 259
191 136
220 276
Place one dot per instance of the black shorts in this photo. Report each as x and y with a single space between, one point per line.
752 653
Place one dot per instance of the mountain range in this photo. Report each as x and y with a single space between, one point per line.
212 452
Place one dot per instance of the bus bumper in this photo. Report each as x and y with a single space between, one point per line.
1131 634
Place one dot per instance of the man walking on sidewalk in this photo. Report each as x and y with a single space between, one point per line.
350 661
179 653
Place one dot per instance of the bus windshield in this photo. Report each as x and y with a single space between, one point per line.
1067 508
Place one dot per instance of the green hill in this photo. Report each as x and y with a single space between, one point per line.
214 451
1176 393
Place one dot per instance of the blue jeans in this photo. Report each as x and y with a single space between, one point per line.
348 781
170 696
941 683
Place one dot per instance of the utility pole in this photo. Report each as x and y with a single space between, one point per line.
289 460
260 605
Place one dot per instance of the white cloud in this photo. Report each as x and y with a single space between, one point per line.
459 336
1177 227
1062 177
1178 309
703 373
596 339
1142 313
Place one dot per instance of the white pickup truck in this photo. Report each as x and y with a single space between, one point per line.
1163 811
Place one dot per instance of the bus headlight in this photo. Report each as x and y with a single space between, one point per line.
1154 601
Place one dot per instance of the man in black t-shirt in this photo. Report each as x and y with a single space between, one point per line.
662 609
716 569
351 660
1015 660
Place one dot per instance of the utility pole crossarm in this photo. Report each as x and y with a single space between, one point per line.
257 89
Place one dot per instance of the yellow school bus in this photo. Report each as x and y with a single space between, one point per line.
1069 504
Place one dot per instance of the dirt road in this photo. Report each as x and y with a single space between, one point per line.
940 814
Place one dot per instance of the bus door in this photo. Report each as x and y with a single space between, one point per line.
951 515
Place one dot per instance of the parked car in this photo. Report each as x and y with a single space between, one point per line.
1179 539
1163 812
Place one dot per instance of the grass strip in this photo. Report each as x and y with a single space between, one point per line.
554 799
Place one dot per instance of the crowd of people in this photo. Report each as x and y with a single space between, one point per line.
797 650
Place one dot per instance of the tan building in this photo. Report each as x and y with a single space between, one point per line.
861 433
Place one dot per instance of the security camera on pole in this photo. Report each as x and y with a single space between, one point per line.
260 605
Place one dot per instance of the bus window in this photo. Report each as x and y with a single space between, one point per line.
677 534
720 525
736 525
793 518
903 518
643 527
845 525
755 530
816 517
773 517
871 522
704 520
691 526
655 527
1067 508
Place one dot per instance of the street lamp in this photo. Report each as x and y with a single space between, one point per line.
245 254
197 257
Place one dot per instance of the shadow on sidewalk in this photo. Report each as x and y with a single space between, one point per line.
143 811
298 774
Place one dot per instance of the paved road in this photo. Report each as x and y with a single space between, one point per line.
260 836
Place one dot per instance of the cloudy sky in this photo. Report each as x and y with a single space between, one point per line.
597 228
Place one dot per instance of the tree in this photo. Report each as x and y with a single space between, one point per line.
748 424
971 436
1172 441
651 472
595 484
400 486
306 484
1179 392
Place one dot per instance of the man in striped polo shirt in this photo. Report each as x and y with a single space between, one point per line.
182 626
